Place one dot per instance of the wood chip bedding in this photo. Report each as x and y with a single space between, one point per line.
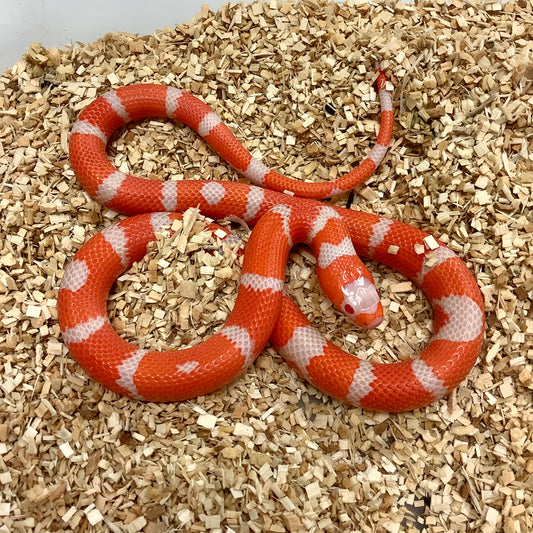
269 452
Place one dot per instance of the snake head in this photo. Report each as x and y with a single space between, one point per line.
361 303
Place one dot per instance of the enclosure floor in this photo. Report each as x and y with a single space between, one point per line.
269 452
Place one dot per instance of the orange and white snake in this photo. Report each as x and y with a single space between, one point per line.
284 212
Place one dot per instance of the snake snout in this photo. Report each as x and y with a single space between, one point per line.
370 320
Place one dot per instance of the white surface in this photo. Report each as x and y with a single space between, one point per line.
62 22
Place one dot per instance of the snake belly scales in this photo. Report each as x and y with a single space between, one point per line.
284 212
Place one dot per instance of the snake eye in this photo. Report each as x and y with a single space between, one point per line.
349 310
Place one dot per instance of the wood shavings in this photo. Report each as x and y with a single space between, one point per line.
269 452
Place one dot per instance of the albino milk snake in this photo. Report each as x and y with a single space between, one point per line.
283 212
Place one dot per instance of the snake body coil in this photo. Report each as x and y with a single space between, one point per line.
284 212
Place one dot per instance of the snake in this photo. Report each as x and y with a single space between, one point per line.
283 211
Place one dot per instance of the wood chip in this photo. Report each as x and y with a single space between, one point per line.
207 421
